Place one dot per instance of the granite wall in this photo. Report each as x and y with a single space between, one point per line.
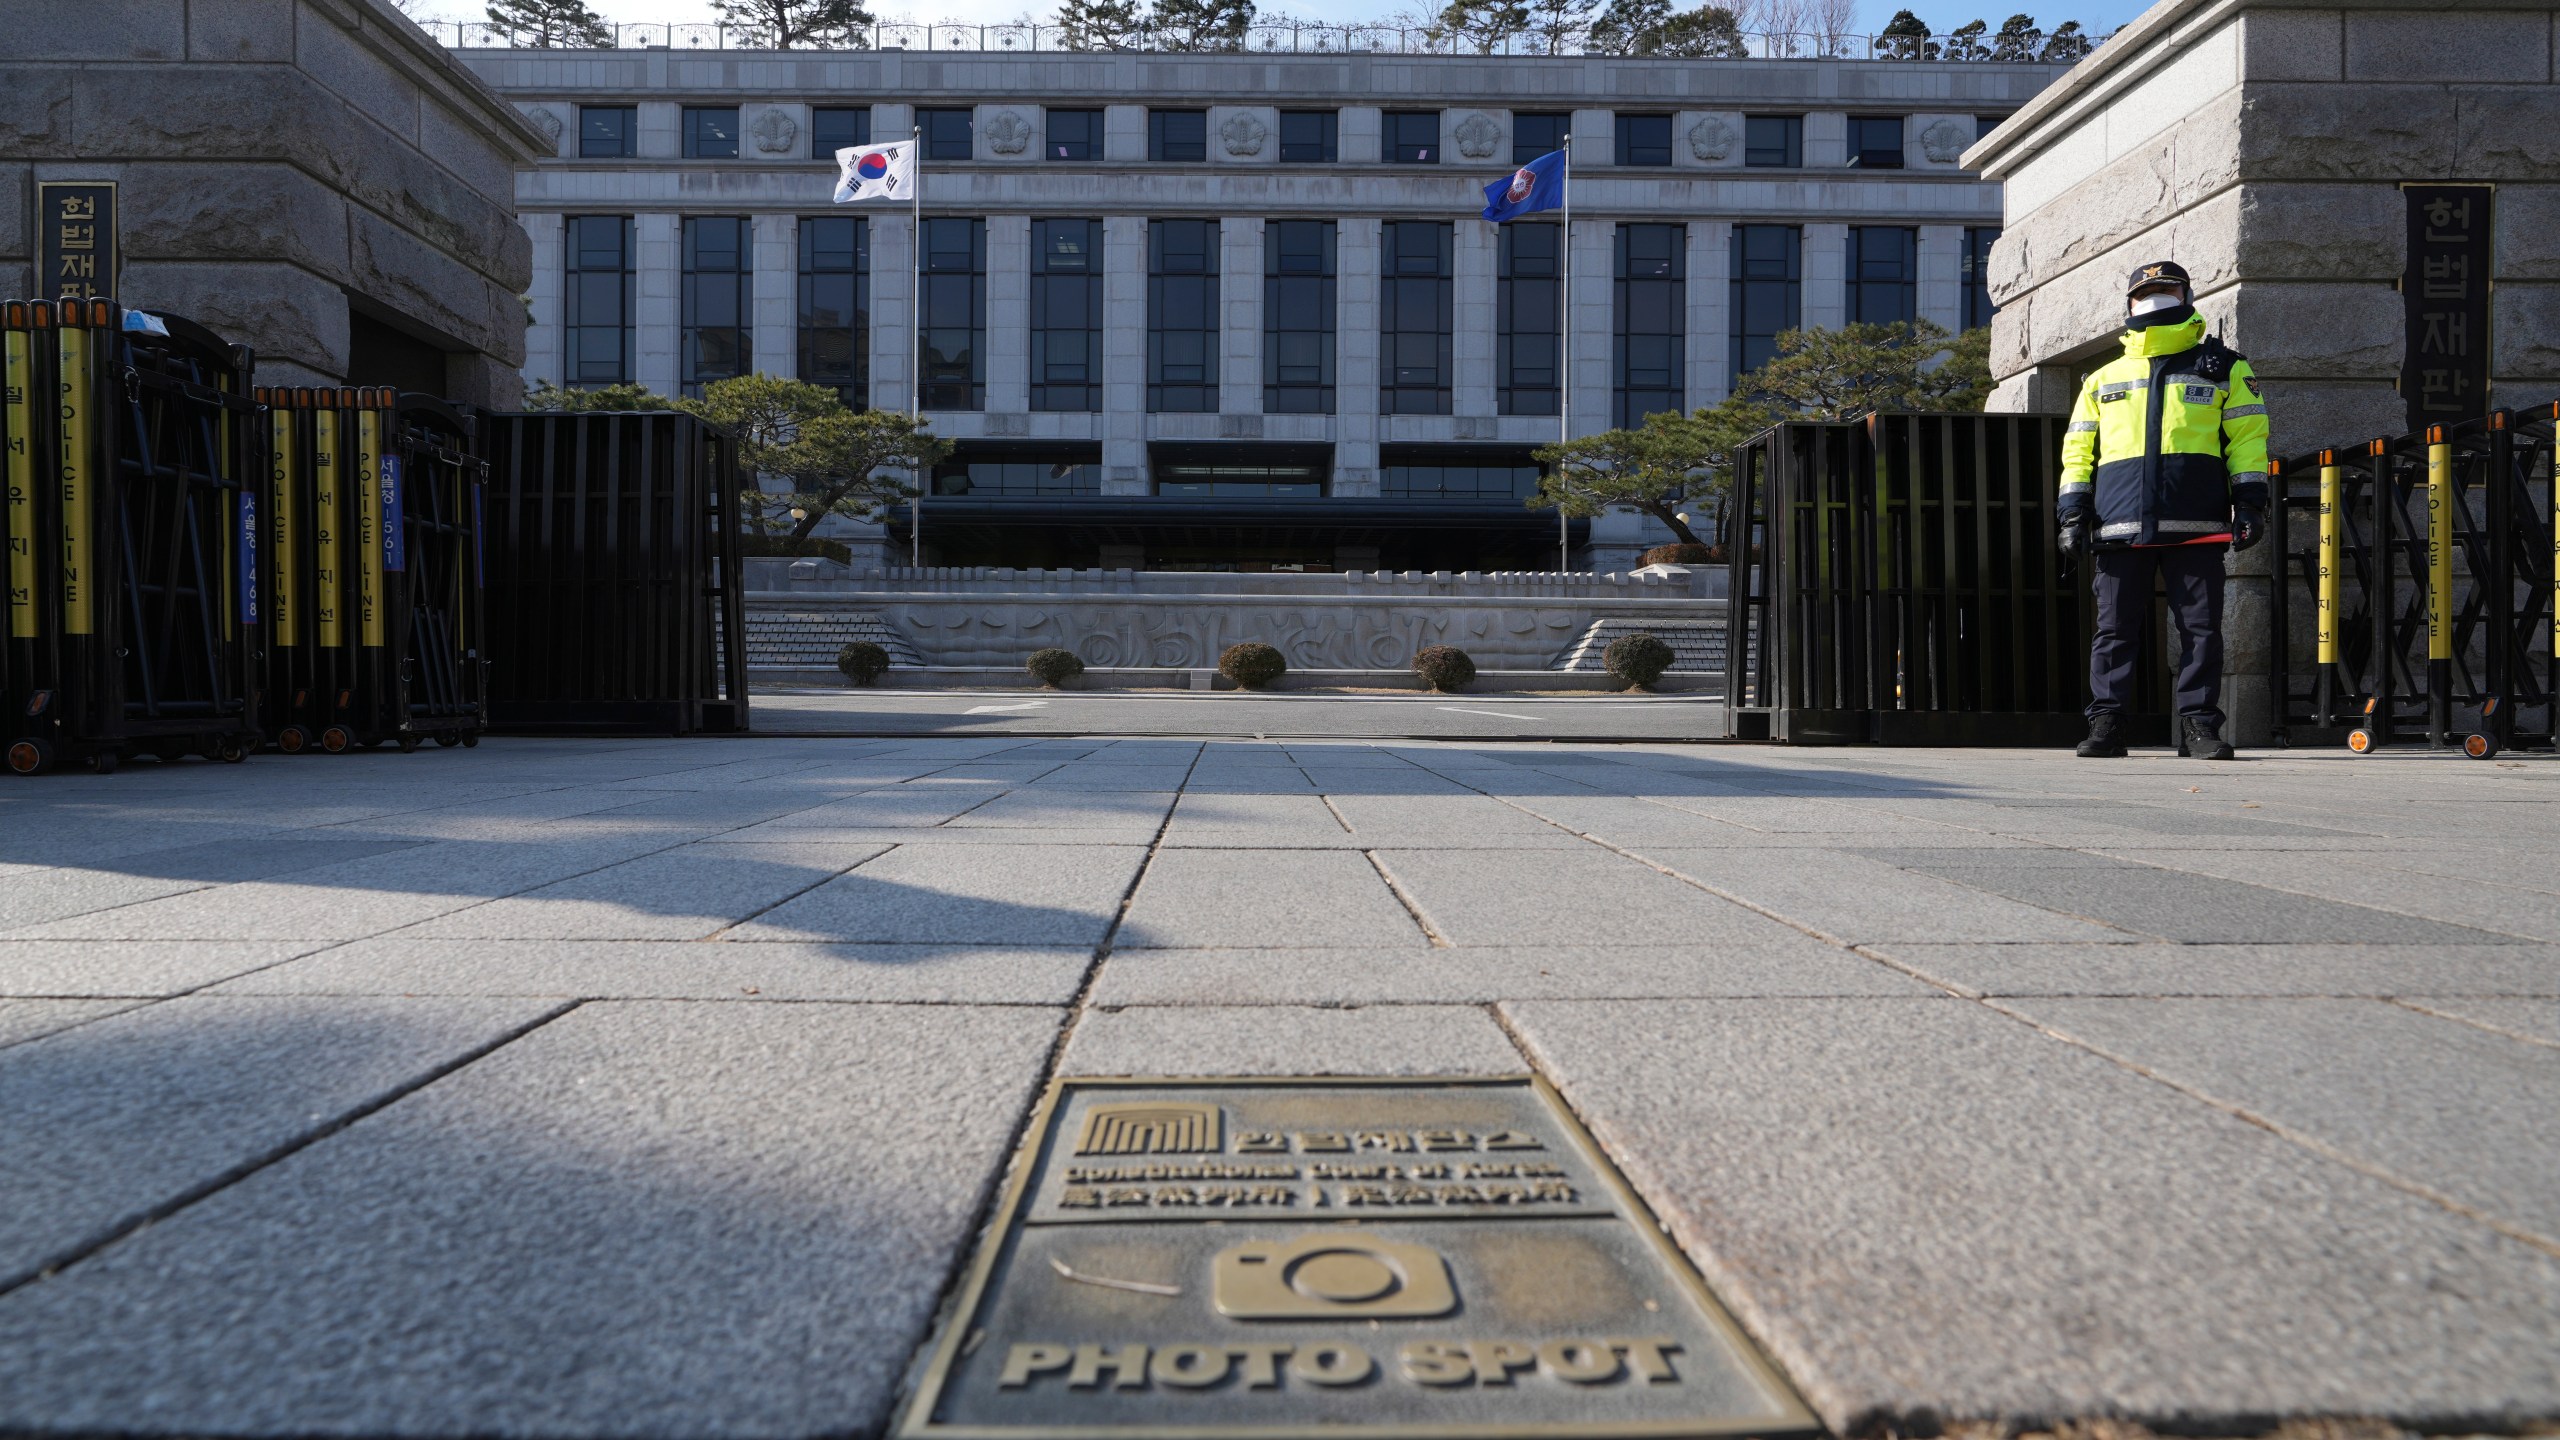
315 178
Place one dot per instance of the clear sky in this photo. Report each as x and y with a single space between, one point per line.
2095 16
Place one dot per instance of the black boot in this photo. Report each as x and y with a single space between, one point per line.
2106 738
2201 738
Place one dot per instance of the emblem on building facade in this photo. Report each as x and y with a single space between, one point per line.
546 120
774 132
1944 142
1477 136
1243 134
1711 139
1008 133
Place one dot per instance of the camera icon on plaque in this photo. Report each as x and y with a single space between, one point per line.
1316 1277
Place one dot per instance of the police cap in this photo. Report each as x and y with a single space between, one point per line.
2159 272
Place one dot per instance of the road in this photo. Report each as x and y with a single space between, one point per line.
1282 715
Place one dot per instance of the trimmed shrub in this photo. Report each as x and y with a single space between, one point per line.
1444 667
1054 667
1252 665
1638 659
862 662
1681 555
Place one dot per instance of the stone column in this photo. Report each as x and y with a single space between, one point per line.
543 359
1826 276
776 283
661 129
1826 140
1124 354
1124 133
656 312
893 238
1595 138
1710 342
1240 243
1358 137
1591 325
1008 314
1477 253
891 122
1355 364
1942 275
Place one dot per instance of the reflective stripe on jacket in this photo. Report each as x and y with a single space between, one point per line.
2159 447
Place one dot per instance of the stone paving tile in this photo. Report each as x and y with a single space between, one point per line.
1860 901
2171 969
2176 906
1779 814
1256 821
1166 778
964 894
1139 814
133 967
2431 1100
1780 962
24 1020
1452 821
106 1122
1586 896
903 808
2507 909
682 970
2534 1020
1271 1040
1920 1204
1194 899
639 1220
1253 780
687 893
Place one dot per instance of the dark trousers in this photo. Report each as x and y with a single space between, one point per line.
2194 583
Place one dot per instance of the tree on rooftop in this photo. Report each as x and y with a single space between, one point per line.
1905 37
1966 43
798 24
1651 27
2066 45
1483 26
551 24
1557 23
2019 39
1196 25
1100 24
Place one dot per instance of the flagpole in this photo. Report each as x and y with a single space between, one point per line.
1564 363
915 340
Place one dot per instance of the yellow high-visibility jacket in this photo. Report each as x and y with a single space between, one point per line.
2166 439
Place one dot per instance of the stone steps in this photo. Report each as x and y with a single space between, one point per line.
1696 645
811 639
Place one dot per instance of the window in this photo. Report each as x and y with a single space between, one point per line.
949 133
1182 316
1000 470
1644 139
607 132
711 132
1297 317
1066 314
1243 475
1414 283
1413 137
1653 319
1178 135
597 316
1875 142
715 300
1978 308
1773 141
1073 135
1307 137
837 127
1768 292
1526 307
954 315
1985 124
1884 274
835 306
1457 475
1533 135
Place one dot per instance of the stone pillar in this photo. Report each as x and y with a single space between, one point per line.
776 282
1358 135
2248 647
891 122
2038 389
1942 275
542 339
1124 133
656 313
1595 138
1710 342
1240 245
1826 276
661 130
1477 254
893 239
1008 314
1826 140
1355 365
1124 353
1591 326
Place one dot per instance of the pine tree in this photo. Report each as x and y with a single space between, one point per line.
1557 23
1618 28
2019 39
1483 26
1905 37
798 24
1216 25
1100 24
551 24
1709 32
2066 45
1966 42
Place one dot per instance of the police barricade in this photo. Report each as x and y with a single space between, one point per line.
374 613
613 584
1894 579
2414 603
132 538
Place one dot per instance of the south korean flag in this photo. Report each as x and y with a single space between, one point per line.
876 172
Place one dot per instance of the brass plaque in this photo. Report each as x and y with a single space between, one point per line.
1331 1257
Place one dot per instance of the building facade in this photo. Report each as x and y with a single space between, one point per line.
1240 311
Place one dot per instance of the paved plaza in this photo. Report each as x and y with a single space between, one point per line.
660 1088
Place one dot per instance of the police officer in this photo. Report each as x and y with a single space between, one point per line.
2164 469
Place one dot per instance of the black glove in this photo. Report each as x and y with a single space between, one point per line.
2074 538
2248 526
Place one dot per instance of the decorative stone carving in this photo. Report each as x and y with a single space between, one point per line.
1477 137
1008 133
1244 134
546 120
1711 139
1944 142
774 132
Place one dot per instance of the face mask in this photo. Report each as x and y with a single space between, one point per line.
2156 300
2164 308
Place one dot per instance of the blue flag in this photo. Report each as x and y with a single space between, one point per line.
1536 186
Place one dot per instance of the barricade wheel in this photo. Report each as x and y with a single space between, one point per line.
2480 747
169 752
2360 742
335 739
293 740
232 752
30 757
448 739
471 741
104 762
408 744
